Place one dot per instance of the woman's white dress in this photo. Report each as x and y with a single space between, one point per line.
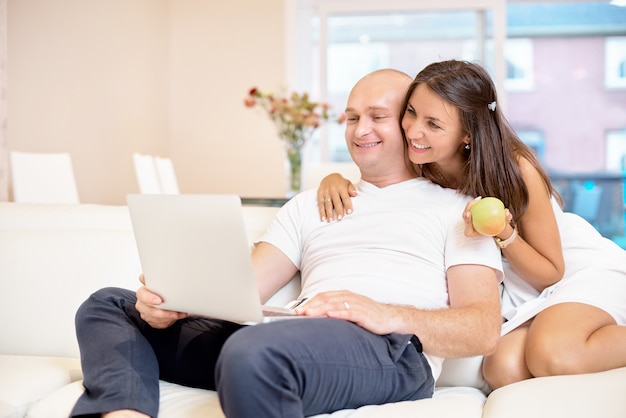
595 274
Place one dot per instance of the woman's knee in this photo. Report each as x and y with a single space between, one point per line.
560 341
502 369
547 356
507 365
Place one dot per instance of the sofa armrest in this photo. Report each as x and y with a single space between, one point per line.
581 396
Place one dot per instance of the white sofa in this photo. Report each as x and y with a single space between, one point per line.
53 256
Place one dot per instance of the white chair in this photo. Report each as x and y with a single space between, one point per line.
43 178
167 175
155 175
314 173
147 177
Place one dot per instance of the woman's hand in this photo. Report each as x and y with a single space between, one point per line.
148 307
334 197
469 226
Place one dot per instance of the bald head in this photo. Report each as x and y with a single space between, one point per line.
388 74
386 82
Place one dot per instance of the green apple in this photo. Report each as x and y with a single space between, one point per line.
488 216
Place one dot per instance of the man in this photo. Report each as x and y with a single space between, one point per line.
391 291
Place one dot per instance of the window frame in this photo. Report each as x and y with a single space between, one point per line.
297 19
614 58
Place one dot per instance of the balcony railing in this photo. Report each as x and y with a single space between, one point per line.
600 198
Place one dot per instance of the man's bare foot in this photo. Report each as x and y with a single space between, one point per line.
125 413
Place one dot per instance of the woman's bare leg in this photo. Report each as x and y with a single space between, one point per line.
572 338
507 365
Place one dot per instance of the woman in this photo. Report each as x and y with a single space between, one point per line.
564 292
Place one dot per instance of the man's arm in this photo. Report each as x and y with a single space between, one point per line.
469 327
272 269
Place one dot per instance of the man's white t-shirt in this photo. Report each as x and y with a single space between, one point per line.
394 248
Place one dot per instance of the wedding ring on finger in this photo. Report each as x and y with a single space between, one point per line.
346 305
326 200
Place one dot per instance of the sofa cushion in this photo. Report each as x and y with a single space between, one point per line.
180 401
459 402
465 371
257 219
47 274
25 379
8 410
176 401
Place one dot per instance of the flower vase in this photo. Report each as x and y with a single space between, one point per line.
294 170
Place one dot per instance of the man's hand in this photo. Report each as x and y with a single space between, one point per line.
469 326
378 318
148 307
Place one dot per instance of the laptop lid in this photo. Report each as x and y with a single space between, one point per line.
194 253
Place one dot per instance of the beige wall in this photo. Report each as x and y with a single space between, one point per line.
102 79
217 54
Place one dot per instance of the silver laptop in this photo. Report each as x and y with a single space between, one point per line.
195 254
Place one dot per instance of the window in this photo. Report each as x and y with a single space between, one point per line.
533 139
520 71
552 72
615 62
559 67
616 151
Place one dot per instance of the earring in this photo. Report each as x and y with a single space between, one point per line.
467 146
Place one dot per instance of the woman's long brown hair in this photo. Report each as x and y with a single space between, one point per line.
491 167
